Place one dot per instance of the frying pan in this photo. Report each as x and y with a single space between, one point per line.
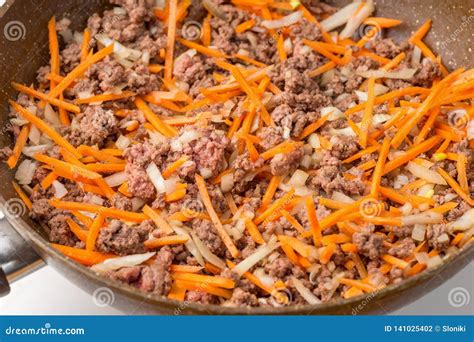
23 243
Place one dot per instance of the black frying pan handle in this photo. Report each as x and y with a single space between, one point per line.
17 258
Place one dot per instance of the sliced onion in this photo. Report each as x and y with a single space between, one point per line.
287 20
18 121
400 180
214 9
116 179
34 135
156 178
434 261
205 172
380 118
113 264
206 252
416 56
422 258
51 116
259 254
122 142
264 277
470 129
304 291
340 17
30 151
59 189
357 19
333 113
227 182
340 197
137 203
465 222
403 74
426 174
25 172
190 245
298 179
379 89
347 132
418 233
313 140
186 137
427 217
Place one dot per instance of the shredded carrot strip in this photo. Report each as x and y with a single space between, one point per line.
254 232
421 32
79 70
462 175
246 25
395 261
336 238
163 128
311 128
292 221
322 50
85 257
231 203
206 31
94 232
253 77
177 292
308 16
205 279
322 69
444 208
352 292
80 233
202 49
411 153
358 284
456 187
349 248
313 221
48 180
185 268
360 154
105 97
53 49
85 44
395 61
71 168
403 198
45 128
19 144
201 184
176 195
24 197
45 97
204 287
284 147
170 41
457 239
249 91
281 48
166 241
160 222
299 246
382 22
249 60
290 253
368 112
428 126
174 166
98 167
93 208
274 207
253 279
377 175
327 253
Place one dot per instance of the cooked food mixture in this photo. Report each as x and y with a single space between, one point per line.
247 152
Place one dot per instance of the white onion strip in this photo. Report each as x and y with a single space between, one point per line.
305 292
260 253
125 261
206 253
288 20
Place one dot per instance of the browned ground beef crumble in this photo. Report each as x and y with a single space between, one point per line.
210 151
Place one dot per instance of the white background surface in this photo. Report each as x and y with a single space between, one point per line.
46 292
